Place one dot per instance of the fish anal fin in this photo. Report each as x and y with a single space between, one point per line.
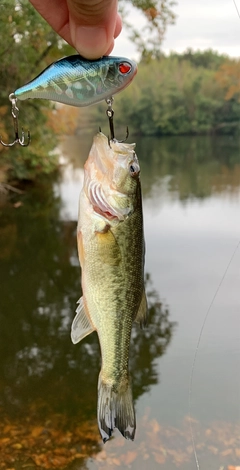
81 325
141 316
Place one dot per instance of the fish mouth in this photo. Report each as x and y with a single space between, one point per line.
99 203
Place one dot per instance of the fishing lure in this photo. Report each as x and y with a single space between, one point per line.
75 81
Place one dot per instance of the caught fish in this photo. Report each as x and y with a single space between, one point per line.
111 253
77 81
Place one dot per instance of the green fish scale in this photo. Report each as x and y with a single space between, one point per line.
115 298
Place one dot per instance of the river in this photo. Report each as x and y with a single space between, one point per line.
185 364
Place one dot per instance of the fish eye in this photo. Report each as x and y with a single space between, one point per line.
134 170
124 68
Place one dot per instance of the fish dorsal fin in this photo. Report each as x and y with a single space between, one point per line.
141 316
81 325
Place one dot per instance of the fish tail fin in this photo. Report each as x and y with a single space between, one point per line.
115 410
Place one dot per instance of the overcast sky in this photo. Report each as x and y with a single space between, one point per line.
201 24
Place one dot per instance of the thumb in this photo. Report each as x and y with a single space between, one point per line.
93 26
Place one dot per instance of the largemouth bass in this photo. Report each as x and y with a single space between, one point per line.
111 252
80 82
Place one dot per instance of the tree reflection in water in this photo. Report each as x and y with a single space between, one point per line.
41 372
189 167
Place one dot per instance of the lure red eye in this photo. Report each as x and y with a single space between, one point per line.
124 67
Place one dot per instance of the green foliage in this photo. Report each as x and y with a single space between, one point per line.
179 94
207 59
189 93
27 46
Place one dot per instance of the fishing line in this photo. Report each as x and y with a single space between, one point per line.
236 8
201 333
197 349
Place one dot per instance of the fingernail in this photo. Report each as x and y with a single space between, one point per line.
90 41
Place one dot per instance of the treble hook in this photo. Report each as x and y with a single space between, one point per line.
110 114
15 112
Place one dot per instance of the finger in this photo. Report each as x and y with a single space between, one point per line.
93 31
89 29
60 21
118 26
109 49
118 30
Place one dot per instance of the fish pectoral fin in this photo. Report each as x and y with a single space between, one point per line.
141 316
81 325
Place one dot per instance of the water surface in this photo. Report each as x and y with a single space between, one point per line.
48 387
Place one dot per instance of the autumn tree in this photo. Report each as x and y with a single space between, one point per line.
28 45
190 93
158 15
228 77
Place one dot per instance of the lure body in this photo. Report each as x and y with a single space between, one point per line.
79 82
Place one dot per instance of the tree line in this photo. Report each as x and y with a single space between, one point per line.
192 93
28 45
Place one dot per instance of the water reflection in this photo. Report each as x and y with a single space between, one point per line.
40 283
189 167
48 387
179 168
151 343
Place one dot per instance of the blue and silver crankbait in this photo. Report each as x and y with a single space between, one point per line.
77 82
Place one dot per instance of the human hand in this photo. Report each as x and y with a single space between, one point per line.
90 26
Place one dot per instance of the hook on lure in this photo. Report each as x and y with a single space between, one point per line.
110 114
18 140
